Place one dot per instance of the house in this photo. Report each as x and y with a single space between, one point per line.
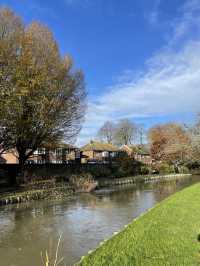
9 157
62 153
57 154
98 152
140 153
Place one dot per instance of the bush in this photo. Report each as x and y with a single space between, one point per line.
193 165
118 173
3 177
165 168
145 170
81 181
128 166
184 170
100 171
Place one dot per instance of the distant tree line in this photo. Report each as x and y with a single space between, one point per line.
124 132
170 142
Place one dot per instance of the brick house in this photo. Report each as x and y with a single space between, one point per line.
9 157
98 152
62 153
140 153
58 154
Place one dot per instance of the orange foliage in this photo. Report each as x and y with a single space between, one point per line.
169 142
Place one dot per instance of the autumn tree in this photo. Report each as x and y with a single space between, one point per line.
169 142
125 132
106 132
42 97
194 132
5 140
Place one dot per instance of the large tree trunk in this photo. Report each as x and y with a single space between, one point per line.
22 160
12 175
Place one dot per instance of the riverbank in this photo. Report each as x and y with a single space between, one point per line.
168 234
138 179
36 194
48 189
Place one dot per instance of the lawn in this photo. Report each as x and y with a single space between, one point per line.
166 235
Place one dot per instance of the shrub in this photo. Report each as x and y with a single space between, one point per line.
81 181
129 166
3 177
193 165
100 171
165 168
145 170
118 172
184 170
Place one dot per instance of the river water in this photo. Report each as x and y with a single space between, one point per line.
83 221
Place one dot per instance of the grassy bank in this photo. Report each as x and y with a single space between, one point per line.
166 235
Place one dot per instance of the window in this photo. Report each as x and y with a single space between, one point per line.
40 161
105 154
59 151
77 154
41 151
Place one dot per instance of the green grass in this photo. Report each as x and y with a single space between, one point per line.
166 235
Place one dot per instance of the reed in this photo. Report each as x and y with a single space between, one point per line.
46 258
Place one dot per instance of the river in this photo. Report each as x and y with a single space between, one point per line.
83 221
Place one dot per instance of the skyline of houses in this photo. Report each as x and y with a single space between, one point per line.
93 152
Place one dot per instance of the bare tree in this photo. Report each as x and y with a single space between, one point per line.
125 132
141 132
106 132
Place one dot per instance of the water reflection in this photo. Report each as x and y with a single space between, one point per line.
84 221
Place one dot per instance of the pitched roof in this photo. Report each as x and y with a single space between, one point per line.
139 149
66 146
99 146
58 145
128 148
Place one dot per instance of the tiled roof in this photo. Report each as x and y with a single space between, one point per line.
99 146
139 149
58 145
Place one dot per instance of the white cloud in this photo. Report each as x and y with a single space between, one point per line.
170 85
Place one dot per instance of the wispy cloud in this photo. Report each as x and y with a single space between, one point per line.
82 3
153 15
170 85
187 23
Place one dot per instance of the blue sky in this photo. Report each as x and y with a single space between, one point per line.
141 58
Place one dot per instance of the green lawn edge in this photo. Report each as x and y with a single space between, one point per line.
167 234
